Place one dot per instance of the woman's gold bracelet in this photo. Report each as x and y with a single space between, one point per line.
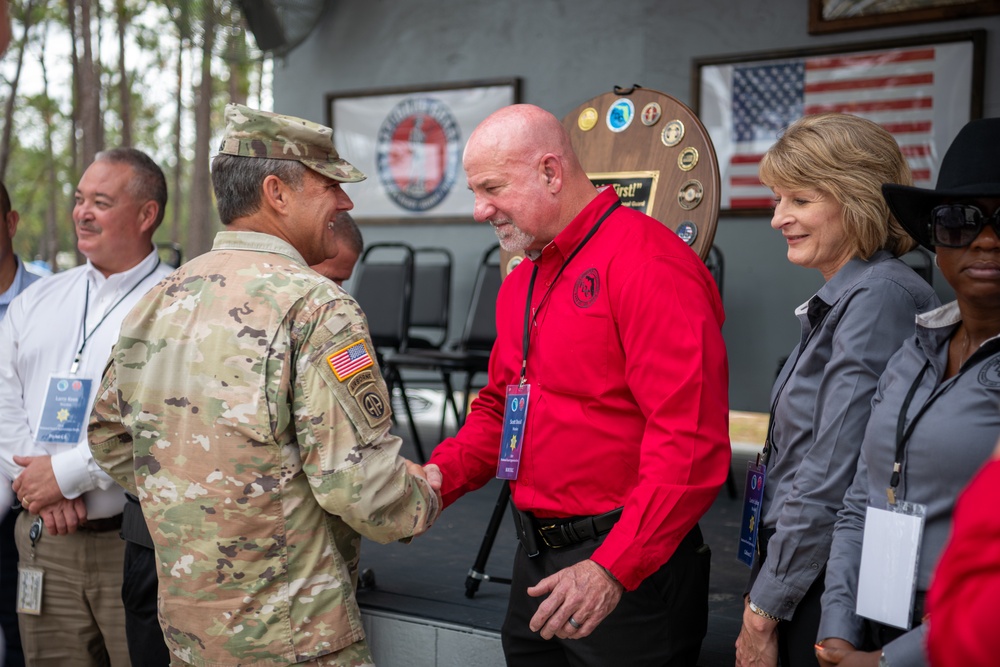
760 612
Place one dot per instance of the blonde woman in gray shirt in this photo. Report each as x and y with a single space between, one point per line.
826 173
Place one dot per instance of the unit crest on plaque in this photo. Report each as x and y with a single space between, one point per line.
688 159
587 119
672 133
690 195
687 231
620 114
651 113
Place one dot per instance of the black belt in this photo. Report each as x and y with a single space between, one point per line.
559 533
102 525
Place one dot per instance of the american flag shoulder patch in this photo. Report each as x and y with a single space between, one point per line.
350 360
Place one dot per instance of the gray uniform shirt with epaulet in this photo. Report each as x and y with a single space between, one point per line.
822 399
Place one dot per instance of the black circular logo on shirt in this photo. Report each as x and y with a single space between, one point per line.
989 375
587 287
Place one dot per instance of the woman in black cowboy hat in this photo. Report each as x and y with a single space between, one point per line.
934 420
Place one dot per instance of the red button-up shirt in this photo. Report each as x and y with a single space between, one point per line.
629 388
962 601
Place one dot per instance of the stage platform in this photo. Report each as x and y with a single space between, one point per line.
417 612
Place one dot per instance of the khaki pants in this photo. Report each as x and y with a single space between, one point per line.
82 623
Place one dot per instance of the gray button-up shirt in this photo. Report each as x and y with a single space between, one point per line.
956 429
822 399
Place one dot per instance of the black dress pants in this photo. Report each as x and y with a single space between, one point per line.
146 647
14 656
797 637
661 623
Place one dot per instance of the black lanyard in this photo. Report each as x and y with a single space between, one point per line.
529 319
766 454
903 433
86 307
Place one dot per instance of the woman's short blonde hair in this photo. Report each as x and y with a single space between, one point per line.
847 158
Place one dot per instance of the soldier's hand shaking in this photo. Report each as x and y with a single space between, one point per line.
433 476
430 474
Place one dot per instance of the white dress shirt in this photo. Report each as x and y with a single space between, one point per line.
40 335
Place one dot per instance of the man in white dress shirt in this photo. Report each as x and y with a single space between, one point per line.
54 345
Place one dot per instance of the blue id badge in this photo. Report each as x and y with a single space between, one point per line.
753 496
515 416
65 411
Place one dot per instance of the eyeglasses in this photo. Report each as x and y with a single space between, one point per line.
958 225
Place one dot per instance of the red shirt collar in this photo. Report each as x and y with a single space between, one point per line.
564 242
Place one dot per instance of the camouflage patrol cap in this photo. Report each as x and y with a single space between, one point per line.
253 133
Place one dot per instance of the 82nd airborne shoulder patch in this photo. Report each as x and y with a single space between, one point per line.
352 366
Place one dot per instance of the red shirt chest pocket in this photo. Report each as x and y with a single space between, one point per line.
573 353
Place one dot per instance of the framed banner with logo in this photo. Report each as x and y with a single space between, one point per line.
409 142
921 89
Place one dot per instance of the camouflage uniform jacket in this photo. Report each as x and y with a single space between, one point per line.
243 406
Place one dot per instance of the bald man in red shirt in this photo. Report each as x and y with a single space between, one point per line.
614 325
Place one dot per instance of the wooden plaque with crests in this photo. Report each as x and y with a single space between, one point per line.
655 152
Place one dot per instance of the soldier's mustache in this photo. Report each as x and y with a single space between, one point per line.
87 227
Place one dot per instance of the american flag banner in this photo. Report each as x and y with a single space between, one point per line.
350 360
921 94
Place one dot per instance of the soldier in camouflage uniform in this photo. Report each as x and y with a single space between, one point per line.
244 406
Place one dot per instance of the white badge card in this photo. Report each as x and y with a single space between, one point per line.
65 411
515 417
29 590
888 578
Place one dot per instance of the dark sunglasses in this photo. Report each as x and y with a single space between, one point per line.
958 225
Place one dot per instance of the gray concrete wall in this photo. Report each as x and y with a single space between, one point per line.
405 641
567 51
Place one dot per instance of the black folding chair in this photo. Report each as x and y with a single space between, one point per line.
429 314
383 286
716 264
470 354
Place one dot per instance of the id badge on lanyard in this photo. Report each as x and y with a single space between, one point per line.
515 412
887 581
65 412
753 497
515 418
890 550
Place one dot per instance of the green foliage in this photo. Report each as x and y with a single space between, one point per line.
157 30
27 182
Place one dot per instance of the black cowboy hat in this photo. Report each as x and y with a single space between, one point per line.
970 170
